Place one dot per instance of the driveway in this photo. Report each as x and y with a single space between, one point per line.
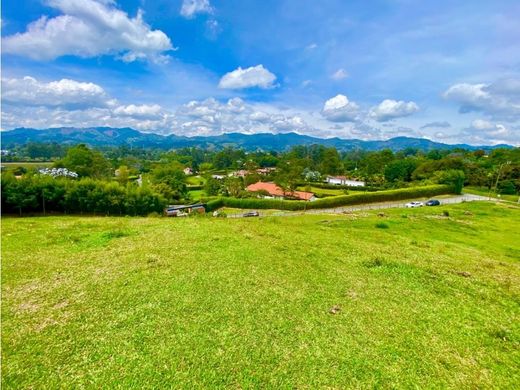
369 206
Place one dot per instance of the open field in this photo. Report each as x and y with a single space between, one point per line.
324 191
418 299
25 164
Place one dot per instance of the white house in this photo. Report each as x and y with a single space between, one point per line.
188 171
343 181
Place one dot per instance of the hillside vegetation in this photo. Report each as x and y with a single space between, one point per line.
414 298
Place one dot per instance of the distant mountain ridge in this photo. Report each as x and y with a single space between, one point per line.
107 136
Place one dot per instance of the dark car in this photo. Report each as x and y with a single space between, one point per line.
433 202
251 214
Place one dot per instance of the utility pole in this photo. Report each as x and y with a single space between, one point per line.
498 174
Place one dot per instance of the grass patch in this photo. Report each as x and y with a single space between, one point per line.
382 225
296 302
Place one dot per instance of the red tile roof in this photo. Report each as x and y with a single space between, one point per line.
274 190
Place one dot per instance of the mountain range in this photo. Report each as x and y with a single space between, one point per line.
107 136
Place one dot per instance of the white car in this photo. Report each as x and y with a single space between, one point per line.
413 205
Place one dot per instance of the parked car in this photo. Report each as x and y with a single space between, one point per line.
413 205
251 214
433 202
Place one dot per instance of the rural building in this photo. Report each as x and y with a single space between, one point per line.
278 193
218 177
188 171
183 210
240 173
344 181
265 171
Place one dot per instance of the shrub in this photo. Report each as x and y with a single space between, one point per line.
382 225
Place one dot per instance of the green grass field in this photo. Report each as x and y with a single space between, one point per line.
323 191
412 299
27 165
483 191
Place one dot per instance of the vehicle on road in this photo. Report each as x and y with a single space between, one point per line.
251 214
413 205
433 202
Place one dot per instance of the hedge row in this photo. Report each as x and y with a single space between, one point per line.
327 186
331 202
194 187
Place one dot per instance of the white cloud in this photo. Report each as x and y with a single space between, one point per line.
89 28
437 124
260 116
190 8
340 109
500 99
482 131
255 76
340 74
145 111
390 109
65 92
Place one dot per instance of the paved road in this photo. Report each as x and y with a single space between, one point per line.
370 206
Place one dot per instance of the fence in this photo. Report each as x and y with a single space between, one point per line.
369 206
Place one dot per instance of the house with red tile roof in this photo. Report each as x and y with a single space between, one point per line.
275 191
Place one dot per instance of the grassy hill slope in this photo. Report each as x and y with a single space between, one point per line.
420 300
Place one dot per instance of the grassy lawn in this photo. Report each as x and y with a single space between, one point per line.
195 180
325 191
27 165
419 301
483 191
197 194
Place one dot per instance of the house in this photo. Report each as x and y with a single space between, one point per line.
188 171
240 173
184 210
265 171
278 193
218 177
343 181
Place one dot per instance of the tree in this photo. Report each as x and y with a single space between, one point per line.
172 176
122 174
453 177
400 170
85 162
212 187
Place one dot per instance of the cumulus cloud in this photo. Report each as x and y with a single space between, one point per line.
190 8
65 92
440 124
482 131
390 109
89 28
145 111
340 74
340 109
254 76
500 100
29 102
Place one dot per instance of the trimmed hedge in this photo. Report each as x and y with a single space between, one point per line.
327 186
331 202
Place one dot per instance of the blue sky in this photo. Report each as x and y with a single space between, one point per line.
444 70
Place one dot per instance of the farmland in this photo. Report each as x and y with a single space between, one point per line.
414 298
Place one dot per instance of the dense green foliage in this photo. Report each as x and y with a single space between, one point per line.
44 194
206 303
